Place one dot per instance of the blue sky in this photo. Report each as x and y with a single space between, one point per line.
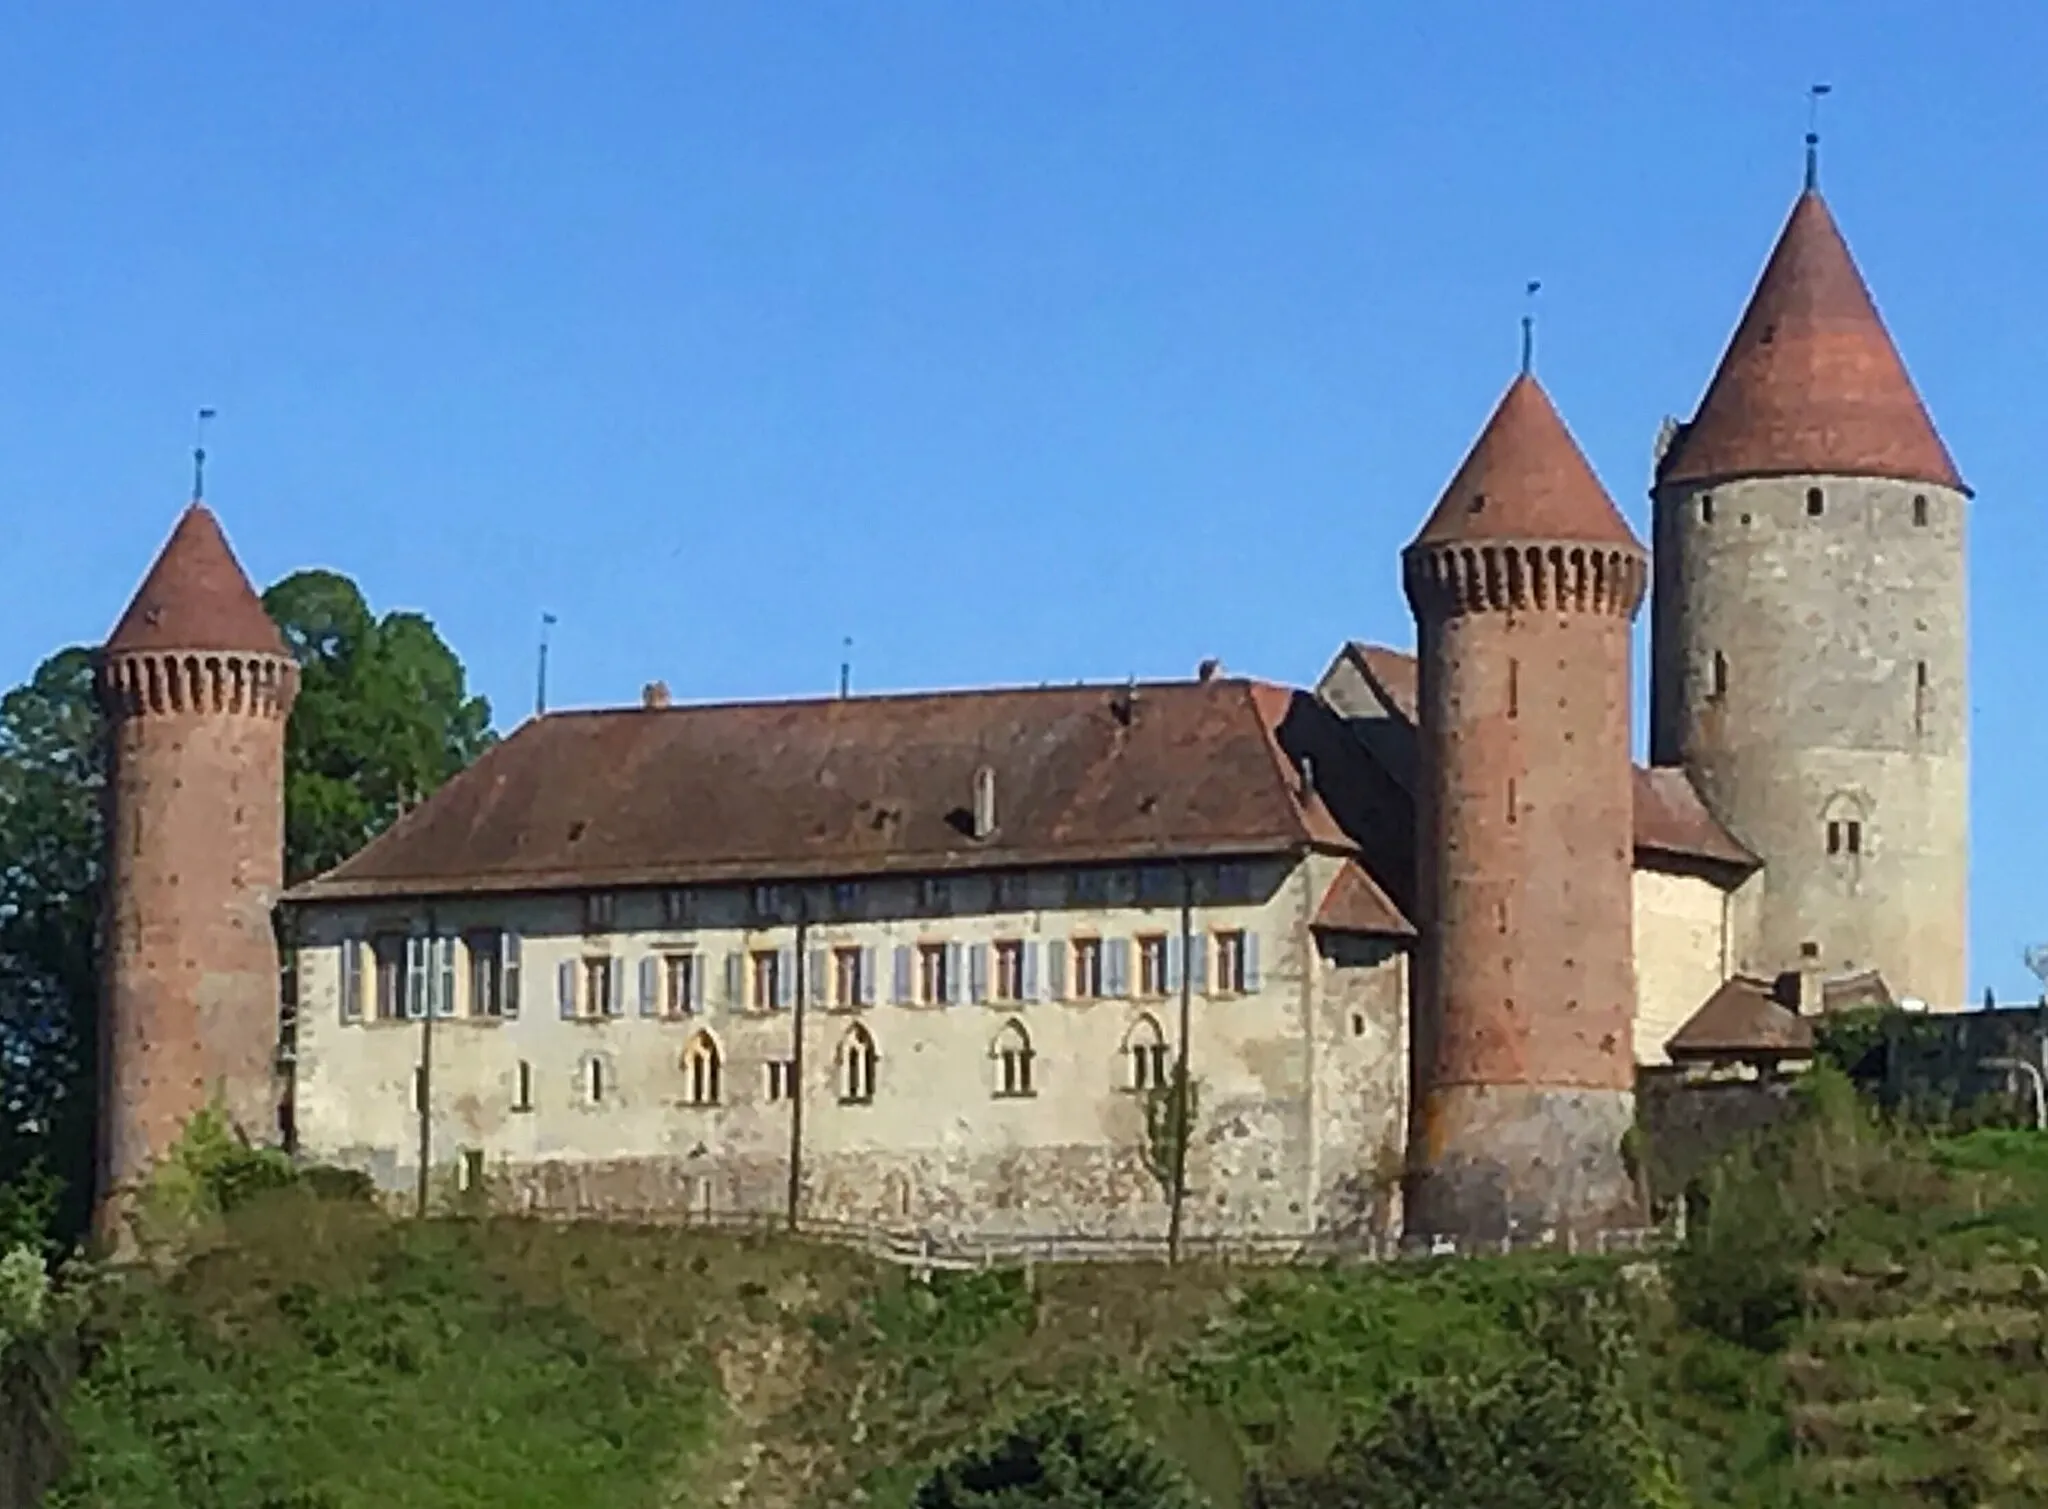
1018 342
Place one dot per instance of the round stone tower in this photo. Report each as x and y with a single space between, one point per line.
196 684
1808 643
1525 583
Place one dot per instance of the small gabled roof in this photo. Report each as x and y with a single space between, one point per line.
196 597
1525 478
1811 383
767 791
1354 903
1742 1020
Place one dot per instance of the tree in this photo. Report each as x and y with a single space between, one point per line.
1062 1457
384 716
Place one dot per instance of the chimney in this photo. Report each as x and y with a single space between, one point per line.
1207 670
984 801
1810 997
654 694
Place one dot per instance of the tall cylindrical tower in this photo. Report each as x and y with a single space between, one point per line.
196 684
1525 582
1808 636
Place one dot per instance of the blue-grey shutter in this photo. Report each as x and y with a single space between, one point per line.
565 989
508 979
977 973
905 974
1173 956
700 966
1117 965
953 971
1056 969
444 975
735 981
818 986
351 979
418 976
615 987
869 964
650 985
785 977
1032 949
1251 961
1198 961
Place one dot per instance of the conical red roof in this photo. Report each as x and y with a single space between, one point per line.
1811 382
1525 478
196 597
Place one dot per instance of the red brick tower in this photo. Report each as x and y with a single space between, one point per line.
196 684
1525 582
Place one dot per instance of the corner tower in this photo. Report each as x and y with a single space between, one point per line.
1525 583
196 683
1808 645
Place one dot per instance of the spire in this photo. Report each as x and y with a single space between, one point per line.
196 597
1811 382
1525 478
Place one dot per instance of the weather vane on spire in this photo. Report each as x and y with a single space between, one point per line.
199 457
1813 98
1529 293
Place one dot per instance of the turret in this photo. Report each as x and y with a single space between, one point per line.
196 684
1525 582
1809 647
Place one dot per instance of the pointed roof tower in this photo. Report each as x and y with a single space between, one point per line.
196 597
1525 478
1811 382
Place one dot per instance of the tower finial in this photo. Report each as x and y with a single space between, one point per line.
199 457
1529 326
1813 99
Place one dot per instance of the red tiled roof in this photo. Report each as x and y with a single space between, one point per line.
1525 478
1742 1019
1670 818
1354 903
864 785
1811 382
196 597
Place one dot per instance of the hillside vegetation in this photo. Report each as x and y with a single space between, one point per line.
1857 1317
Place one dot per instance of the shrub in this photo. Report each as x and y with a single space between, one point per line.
1063 1457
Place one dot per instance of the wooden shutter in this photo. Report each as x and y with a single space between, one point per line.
508 982
699 966
735 981
418 976
614 986
1173 963
1029 984
650 985
870 962
1116 964
906 974
1251 961
444 975
817 980
785 977
1056 969
977 973
351 979
953 973
1197 951
565 989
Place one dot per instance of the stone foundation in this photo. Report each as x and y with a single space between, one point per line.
1492 1161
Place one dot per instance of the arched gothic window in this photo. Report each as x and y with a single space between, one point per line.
857 1067
1013 1055
701 1071
1145 1049
1846 826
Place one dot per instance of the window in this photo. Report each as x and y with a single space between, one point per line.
935 893
678 908
1920 510
1919 697
1233 882
1013 1055
522 1087
846 898
857 1068
601 987
1514 688
598 910
1089 887
419 1089
1152 966
1233 973
849 978
1008 892
1087 969
1814 502
470 1178
1845 836
594 1081
1146 1048
392 955
351 979
768 902
684 993
933 976
1717 684
1706 508
1009 981
781 1078
493 974
766 966
701 1071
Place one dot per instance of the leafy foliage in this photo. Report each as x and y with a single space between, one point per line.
1061 1457
383 717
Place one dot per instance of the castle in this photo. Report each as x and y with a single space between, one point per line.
931 964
